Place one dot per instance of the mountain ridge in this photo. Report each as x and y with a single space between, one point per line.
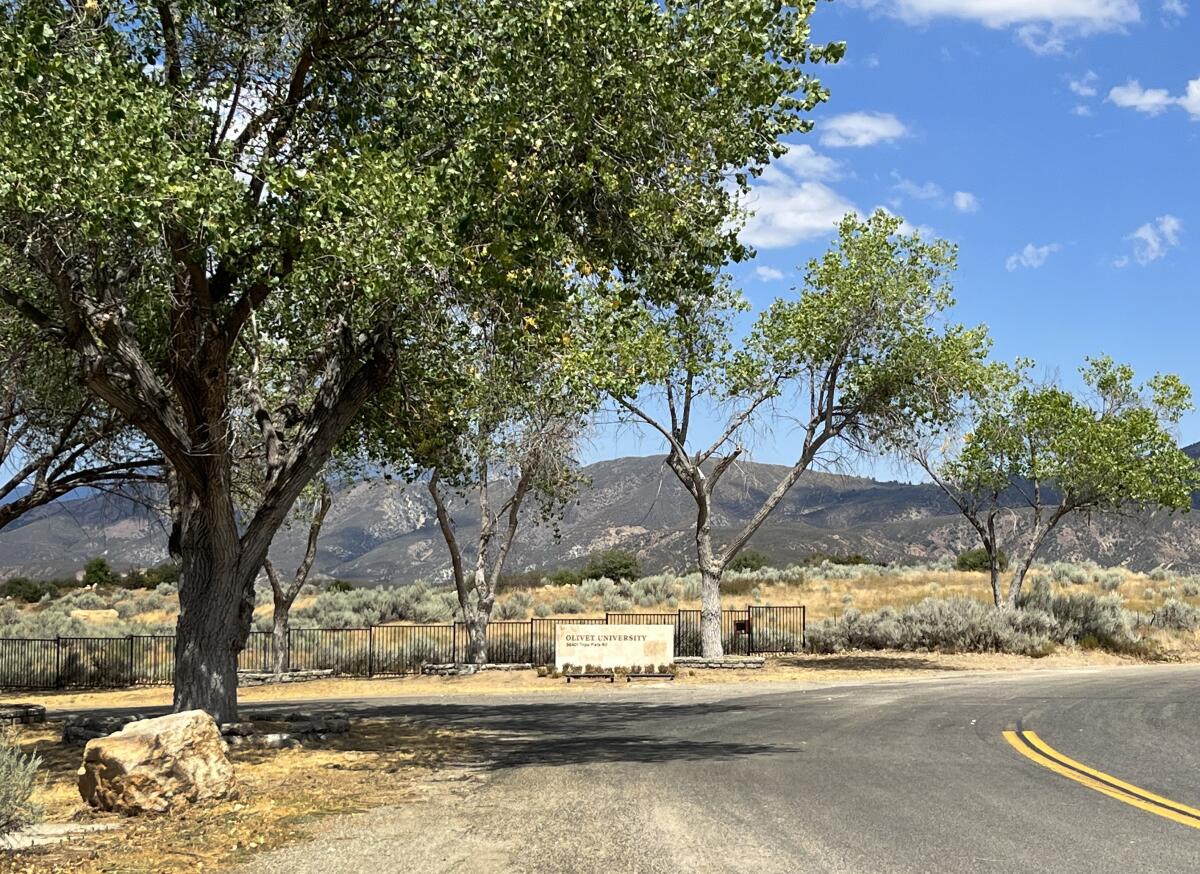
386 530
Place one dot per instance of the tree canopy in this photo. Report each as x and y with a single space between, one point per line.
346 183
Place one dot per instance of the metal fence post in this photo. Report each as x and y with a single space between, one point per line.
57 662
370 651
132 681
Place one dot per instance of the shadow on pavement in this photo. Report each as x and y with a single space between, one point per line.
572 733
864 663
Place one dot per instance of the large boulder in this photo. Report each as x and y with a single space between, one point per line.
153 765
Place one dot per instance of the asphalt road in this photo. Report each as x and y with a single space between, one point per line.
899 777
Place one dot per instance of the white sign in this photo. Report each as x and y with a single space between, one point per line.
613 646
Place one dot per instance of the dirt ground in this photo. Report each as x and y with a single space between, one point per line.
282 795
797 668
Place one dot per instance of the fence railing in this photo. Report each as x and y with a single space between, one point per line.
377 651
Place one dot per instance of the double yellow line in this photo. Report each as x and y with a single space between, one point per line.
1028 744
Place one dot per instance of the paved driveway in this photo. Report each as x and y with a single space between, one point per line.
906 777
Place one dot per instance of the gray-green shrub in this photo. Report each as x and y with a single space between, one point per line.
655 590
18 771
935 624
595 589
568 606
515 606
614 602
1176 615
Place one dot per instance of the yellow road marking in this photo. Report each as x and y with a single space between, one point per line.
1028 744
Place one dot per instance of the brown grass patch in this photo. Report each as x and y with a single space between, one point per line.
282 793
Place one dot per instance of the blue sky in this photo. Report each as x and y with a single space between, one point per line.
1056 142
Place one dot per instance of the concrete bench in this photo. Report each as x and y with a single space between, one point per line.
592 676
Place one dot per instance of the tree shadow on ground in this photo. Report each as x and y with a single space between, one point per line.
510 735
864 663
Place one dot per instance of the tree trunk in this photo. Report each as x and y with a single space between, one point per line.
478 615
281 622
477 622
710 572
215 609
997 597
1014 587
710 613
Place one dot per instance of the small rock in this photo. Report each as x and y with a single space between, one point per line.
279 741
237 729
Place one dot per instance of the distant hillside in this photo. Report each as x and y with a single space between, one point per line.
387 531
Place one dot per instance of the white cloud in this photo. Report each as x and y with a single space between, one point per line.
1174 7
1041 25
857 129
1132 95
768 274
1155 101
804 162
790 202
1152 240
965 201
918 191
1190 100
1085 85
931 192
1081 109
788 211
1031 256
1042 40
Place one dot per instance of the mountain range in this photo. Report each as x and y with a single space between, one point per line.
386 530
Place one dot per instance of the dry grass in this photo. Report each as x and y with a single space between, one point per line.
826 598
283 792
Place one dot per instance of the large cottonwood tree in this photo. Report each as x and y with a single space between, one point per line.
860 354
1020 457
353 177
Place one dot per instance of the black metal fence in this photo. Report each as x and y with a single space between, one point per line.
752 631
377 651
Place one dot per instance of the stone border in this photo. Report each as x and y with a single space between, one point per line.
735 663
462 670
297 726
247 679
22 714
